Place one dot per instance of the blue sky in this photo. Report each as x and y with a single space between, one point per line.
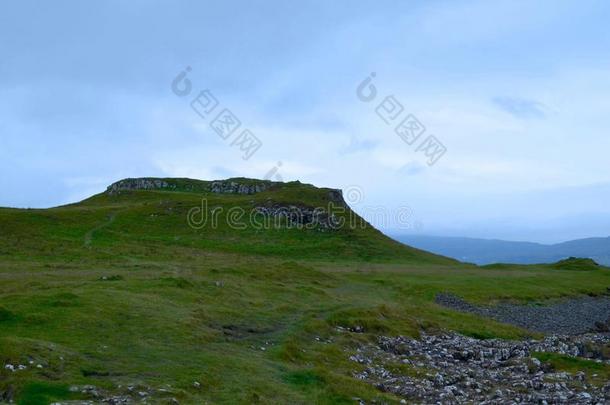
517 91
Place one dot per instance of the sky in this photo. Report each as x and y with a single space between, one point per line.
516 92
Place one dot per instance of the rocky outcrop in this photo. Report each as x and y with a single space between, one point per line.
144 183
336 196
234 187
231 186
220 187
297 217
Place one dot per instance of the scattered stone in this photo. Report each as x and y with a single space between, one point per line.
455 369
101 396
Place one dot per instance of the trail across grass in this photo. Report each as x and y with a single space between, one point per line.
89 234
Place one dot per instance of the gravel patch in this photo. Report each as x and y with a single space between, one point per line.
569 317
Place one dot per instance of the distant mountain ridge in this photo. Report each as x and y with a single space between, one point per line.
489 251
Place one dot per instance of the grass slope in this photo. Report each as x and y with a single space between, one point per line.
134 223
118 290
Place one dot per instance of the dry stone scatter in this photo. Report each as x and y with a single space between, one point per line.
455 369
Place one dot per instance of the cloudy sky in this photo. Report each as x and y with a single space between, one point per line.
518 92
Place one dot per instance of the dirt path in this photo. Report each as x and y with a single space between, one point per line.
89 234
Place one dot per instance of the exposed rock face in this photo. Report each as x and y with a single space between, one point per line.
336 196
297 217
221 187
454 369
139 184
571 316
233 187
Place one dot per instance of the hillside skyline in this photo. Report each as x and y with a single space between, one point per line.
384 218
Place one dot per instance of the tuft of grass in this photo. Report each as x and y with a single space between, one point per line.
304 379
65 299
374 320
6 315
595 372
179 282
43 393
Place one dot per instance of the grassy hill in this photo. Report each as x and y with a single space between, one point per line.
123 292
132 222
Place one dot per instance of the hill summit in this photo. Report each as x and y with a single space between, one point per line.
172 216
236 185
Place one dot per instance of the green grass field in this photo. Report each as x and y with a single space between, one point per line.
119 291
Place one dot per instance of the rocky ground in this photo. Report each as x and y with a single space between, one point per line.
571 316
454 369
